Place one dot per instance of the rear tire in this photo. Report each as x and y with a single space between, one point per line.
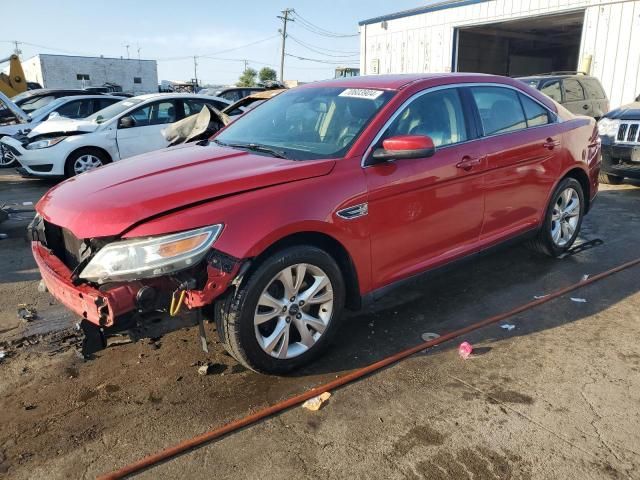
83 160
270 327
562 221
608 179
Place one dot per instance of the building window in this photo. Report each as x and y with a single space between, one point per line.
137 79
82 76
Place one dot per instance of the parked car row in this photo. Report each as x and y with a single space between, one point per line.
68 146
321 198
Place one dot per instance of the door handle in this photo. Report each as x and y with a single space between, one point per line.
467 163
551 143
585 107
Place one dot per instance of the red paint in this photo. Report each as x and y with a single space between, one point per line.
422 212
408 142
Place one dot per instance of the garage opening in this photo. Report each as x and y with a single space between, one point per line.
549 43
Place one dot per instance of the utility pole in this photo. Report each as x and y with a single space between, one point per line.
127 47
246 65
285 19
139 52
17 50
195 72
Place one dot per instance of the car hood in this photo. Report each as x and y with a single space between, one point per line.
112 199
63 125
626 112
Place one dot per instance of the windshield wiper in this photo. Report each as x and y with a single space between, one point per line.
254 147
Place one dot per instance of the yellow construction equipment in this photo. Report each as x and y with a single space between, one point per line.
13 83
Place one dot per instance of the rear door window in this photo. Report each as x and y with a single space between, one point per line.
535 113
592 89
552 90
500 109
572 90
75 109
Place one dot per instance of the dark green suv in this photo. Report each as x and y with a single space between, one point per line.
579 93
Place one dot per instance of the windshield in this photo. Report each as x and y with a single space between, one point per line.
33 104
46 108
114 110
17 98
308 123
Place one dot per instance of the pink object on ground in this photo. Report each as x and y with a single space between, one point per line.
465 349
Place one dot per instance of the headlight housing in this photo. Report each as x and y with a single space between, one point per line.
150 257
608 127
46 143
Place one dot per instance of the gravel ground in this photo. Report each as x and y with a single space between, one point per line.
557 397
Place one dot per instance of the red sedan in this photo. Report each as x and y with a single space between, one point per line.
322 198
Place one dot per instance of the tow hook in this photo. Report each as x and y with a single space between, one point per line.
177 300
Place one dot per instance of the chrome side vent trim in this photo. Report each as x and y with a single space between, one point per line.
356 211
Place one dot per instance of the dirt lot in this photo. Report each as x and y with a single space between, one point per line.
557 397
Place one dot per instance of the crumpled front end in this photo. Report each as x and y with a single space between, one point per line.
117 306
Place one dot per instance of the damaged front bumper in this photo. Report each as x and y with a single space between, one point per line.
113 306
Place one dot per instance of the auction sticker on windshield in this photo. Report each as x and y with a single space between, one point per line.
361 93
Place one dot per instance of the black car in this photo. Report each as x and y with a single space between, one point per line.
233 94
620 136
33 99
579 93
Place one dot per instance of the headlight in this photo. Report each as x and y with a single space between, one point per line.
49 142
150 257
608 127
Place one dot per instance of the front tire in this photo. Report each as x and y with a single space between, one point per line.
84 160
562 221
285 313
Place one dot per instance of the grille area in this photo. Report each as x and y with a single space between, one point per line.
629 133
63 244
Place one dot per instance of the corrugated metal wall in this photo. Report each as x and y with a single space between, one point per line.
423 42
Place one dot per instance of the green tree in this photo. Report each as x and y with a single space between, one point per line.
267 74
248 78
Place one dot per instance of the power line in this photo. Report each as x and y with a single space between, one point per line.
307 25
322 48
168 59
315 50
317 60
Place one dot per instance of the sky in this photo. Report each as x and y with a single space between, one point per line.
172 32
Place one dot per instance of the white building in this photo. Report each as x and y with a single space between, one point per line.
511 37
67 71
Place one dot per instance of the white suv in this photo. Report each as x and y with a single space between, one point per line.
124 129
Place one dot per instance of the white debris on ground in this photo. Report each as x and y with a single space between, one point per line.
314 404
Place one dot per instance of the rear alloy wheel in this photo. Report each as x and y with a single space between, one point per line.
84 161
608 179
286 312
562 220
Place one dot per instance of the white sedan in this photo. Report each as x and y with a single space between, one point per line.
127 128
76 107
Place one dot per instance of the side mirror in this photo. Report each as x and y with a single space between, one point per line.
127 122
404 147
53 115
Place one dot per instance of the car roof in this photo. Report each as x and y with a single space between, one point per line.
154 96
399 81
48 91
555 76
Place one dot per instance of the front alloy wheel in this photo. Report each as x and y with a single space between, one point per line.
285 312
86 162
293 311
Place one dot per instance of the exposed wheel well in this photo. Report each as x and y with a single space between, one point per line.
582 177
333 248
